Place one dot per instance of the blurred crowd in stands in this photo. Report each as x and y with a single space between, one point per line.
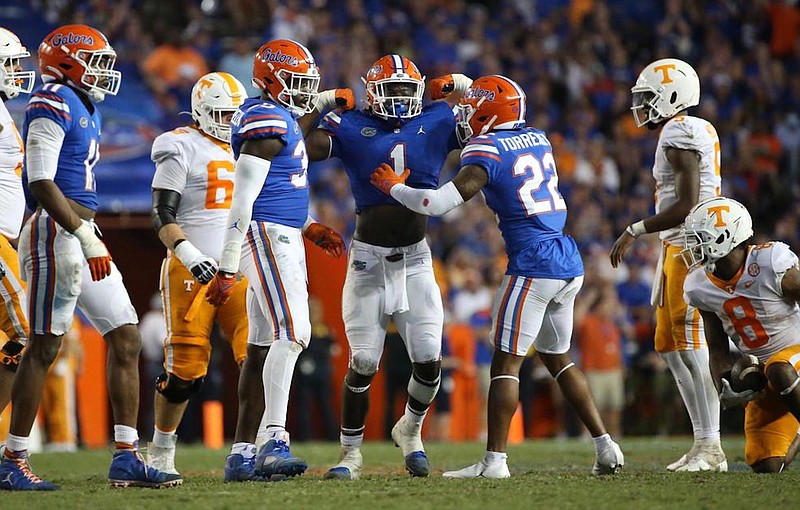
577 60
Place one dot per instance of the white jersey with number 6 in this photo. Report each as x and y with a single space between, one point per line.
693 134
12 199
751 305
200 168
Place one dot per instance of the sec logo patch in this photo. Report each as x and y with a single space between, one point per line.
753 269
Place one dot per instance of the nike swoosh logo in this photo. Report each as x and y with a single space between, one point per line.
748 284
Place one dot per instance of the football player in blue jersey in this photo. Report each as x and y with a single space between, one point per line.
266 223
513 166
390 273
64 261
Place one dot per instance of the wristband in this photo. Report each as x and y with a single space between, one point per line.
636 229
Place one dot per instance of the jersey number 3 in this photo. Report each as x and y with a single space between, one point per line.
527 164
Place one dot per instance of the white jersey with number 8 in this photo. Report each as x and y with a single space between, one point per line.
693 134
751 305
200 168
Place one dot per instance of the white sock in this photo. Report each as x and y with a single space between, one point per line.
125 434
163 439
17 443
351 441
277 377
246 450
693 377
493 458
413 417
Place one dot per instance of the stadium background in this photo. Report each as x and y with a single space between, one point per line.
576 60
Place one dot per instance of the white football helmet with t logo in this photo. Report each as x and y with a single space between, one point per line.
664 88
713 228
215 98
13 79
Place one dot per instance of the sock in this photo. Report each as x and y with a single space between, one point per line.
352 438
246 450
493 458
413 417
126 437
601 441
164 439
277 377
16 444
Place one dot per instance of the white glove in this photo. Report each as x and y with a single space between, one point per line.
729 398
202 267
2 270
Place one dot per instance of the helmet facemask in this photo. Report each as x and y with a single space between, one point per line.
644 107
13 80
397 98
215 121
299 91
99 77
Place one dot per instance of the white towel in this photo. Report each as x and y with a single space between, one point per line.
394 279
657 294
569 290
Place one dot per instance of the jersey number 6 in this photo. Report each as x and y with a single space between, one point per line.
219 191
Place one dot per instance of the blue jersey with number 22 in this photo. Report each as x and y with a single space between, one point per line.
523 192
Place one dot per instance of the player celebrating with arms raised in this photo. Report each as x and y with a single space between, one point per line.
390 272
749 293
513 166
192 193
686 170
268 218
65 263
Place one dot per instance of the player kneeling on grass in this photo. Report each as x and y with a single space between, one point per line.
749 293
514 167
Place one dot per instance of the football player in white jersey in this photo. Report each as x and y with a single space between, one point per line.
13 319
748 293
686 170
192 193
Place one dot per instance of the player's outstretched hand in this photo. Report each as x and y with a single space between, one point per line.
95 252
385 179
326 238
441 87
729 398
220 288
343 99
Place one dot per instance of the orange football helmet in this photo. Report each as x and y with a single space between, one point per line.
81 56
286 71
492 102
394 88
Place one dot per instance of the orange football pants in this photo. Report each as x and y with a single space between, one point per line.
678 325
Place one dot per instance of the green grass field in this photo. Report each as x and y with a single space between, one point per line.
548 474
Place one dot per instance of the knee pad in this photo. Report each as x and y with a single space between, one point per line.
175 389
10 355
421 390
364 364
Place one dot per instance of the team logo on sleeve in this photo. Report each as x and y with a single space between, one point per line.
84 122
753 269
368 131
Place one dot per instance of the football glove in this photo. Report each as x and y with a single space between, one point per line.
729 398
326 238
443 86
384 178
94 251
336 98
202 267
221 288
2 270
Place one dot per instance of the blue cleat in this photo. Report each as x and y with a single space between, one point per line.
275 461
417 464
16 475
408 438
128 469
239 469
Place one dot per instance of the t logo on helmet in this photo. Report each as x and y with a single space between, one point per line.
665 72
717 211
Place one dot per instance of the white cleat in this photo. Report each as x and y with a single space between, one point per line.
481 470
675 466
709 457
162 458
409 439
608 460
349 466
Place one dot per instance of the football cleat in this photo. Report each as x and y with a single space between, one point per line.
709 457
609 460
240 469
162 458
684 458
275 461
349 466
16 475
409 439
481 470
128 469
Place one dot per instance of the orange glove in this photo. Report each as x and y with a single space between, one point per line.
385 179
220 288
326 238
94 251
100 267
441 87
345 99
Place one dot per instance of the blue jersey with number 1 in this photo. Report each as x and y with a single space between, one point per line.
284 197
363 141
80 150
523 192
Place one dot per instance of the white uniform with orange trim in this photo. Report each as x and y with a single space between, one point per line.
13 318
763 323
679 327
200 168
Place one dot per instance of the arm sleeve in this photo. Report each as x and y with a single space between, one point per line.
430 202
43 146
248 179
